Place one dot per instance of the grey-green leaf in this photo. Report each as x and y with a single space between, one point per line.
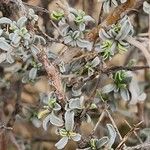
33 73
5 46
62 143
112 135
75 104
69 120
5 20
77 137
108 88
2 57
10 58
95 62
101 142
21 22
55 120
146 7
125 94
84 44
46 121
37 123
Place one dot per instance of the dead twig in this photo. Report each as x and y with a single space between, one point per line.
53 75
132 130
98 122
114 124
140 146
139 45
117 68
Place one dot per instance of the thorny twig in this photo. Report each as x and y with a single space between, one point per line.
132 130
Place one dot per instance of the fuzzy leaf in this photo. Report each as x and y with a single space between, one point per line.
142 97
108 88
77 137
101 142
75 104
69 120
5 20
95 62
55 120
125 94
82 27
88 18
2 57
21 22
46 121
146 7
67 39
33 73
112 135
62 143
57 107
9 58
84 44
76 92
37 123
15 39
5 46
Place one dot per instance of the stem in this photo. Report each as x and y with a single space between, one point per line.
149 34
139 45
99 120
114 124
117 68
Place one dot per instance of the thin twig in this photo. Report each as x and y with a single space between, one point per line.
98 122
14 141
149 34
140 146
91 97
117 68
100 11
134 132
139 45
114 124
